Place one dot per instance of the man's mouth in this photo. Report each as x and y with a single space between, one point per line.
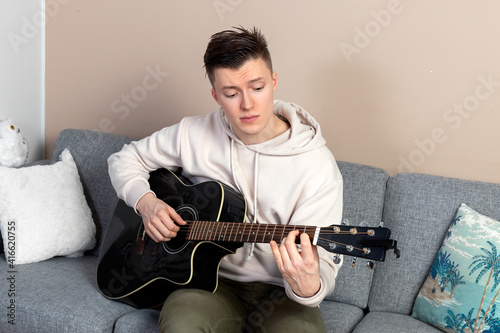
249 119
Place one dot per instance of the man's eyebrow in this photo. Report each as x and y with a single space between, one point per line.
249 82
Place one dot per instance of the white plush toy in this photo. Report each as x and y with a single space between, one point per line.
13 147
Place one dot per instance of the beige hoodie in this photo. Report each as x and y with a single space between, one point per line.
293 176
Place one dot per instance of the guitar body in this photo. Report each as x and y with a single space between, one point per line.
135 270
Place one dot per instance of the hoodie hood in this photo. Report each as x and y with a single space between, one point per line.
304 133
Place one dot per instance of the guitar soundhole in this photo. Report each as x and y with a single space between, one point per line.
179 243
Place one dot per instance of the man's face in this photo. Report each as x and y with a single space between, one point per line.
246 96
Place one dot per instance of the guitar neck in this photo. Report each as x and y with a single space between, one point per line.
243 232
365 242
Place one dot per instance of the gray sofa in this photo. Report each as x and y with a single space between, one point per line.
61 295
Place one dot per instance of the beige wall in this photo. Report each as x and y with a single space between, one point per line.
402 85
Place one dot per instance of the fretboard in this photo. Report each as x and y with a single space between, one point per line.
241 232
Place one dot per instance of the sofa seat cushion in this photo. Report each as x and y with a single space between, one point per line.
386 322
59 295
340 317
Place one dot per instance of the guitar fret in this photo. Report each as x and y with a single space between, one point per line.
216 231
248 233
251 232
206 231
264 235
189 230
237 231
194 233
231 233
226 226
211 233
222 231
225 229
199 233
243 232
256 233
202 231
274 233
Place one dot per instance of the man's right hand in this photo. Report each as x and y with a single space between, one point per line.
161 221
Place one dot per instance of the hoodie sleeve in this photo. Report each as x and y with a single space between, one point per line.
130 167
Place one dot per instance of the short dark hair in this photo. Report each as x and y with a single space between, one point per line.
232 48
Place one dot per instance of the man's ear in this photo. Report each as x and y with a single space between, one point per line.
275 80
214 95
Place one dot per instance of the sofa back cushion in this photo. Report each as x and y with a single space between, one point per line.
364 190
419 210
90 150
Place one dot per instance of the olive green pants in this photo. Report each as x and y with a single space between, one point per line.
237 307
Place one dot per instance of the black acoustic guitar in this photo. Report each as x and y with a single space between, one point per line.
135 270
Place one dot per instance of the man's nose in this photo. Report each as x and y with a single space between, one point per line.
247 102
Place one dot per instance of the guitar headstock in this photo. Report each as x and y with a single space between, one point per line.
357 241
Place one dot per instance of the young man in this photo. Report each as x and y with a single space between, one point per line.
274 154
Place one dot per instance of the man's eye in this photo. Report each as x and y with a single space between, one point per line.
259 88
231 95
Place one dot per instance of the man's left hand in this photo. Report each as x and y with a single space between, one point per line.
299 269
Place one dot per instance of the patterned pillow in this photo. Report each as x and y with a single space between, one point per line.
461 291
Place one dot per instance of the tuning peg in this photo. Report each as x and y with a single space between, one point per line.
363 224
370 264
345 221
336 259
381 224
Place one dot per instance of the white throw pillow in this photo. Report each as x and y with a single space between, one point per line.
43 212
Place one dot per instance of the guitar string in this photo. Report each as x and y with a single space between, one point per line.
258 234
262 233
324 242
330 229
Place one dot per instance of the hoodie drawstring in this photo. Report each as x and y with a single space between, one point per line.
255 190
